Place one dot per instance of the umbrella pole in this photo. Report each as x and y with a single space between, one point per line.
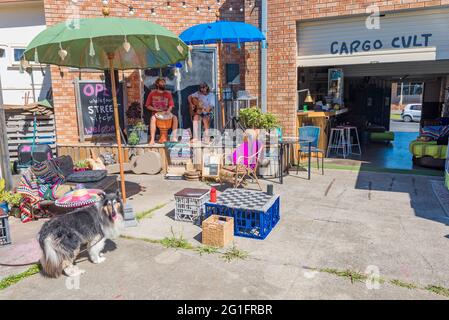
117 126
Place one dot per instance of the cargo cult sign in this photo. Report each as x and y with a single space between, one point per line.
398 42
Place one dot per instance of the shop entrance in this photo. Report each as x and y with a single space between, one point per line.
379 101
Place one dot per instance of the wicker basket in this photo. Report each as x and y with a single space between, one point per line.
218 231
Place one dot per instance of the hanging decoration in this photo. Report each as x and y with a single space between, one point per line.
91 49
156 44
183 4
36 58
62 53
126 45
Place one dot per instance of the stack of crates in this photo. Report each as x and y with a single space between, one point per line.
5 237
189 204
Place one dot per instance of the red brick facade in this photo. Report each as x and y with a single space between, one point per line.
175 19
282 22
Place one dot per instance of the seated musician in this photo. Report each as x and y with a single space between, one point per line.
202 104
160 100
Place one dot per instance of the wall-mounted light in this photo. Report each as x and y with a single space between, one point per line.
184 5
131 11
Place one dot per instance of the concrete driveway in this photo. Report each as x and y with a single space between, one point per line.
333 229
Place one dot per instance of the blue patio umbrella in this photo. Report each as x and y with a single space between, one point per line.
221 32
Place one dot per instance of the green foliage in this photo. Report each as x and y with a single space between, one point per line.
175 241
3 192
82 164
403 284
254 118
148 213
13 279
14 199
133 138
206 250
438 290
234 253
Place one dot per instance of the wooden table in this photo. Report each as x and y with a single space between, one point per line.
318 119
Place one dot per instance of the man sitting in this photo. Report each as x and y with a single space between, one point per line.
201 105
160 100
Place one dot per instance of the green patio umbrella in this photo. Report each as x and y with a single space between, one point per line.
108 43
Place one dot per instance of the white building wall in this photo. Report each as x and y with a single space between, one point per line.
19 24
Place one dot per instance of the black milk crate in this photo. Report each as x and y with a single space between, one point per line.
5 236
255 213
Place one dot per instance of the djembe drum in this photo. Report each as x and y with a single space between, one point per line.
164 122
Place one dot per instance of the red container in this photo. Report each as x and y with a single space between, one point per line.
213 195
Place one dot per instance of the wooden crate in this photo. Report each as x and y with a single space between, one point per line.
218 231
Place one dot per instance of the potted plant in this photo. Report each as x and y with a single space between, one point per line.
254 120
14 200
137 133
4 194
81 165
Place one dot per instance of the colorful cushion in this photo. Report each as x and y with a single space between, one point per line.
421 149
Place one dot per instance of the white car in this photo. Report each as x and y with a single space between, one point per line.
411 112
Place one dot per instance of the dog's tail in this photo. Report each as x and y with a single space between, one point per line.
51 260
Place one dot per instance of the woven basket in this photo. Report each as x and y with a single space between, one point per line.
218 231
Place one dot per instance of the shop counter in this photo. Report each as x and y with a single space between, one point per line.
319 119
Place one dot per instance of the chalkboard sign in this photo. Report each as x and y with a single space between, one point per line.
95 109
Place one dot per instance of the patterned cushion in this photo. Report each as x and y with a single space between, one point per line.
87 176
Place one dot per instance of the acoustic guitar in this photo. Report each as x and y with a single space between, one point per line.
196 107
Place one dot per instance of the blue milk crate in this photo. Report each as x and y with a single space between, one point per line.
5 237
255 213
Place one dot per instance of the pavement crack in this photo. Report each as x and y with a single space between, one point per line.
329 187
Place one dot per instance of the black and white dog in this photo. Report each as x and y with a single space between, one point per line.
62 237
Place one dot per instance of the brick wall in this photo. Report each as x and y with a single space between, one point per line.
282 18
175 19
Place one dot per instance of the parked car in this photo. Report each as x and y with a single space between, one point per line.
411 112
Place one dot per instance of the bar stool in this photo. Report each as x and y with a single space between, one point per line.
349 140
337 141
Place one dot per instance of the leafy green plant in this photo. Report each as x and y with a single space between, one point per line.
82 164
133 138
254 118
234 253
3 192
175 241
206 250
14 199
13 279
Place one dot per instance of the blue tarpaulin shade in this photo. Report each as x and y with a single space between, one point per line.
221 32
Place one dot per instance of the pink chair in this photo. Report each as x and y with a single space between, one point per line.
245 159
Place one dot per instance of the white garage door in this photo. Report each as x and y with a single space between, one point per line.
407 36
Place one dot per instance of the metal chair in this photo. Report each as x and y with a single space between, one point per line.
313 133
244 162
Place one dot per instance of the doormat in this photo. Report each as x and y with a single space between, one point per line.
442 194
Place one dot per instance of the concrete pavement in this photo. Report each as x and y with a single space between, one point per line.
343 220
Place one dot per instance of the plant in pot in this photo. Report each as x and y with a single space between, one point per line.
4 194
137 133
14 200
253 119
81 165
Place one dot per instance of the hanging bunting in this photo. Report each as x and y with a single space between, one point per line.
62 53
91 49
126 45
36 58
180 48
189 60
156 43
